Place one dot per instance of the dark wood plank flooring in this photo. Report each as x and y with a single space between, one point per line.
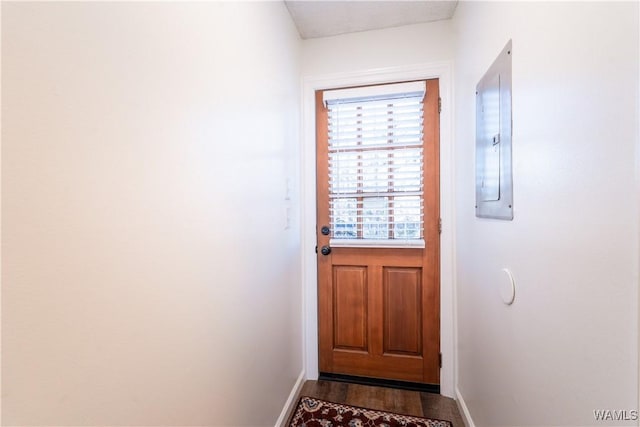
428 405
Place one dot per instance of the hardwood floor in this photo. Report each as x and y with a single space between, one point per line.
414 403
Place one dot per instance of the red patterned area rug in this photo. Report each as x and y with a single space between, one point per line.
312 412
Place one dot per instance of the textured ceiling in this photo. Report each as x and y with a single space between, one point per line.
320 18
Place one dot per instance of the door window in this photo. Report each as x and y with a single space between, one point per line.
375 148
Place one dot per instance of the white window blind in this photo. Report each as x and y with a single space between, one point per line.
375 165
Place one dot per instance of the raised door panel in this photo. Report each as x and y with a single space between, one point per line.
350 308
402 320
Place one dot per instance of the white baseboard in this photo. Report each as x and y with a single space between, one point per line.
291 401
463 409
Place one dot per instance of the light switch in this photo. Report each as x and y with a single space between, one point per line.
287 217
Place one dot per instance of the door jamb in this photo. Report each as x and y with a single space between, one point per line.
448 330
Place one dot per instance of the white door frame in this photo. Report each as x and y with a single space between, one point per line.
442 71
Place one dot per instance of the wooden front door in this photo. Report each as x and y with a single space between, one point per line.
379 302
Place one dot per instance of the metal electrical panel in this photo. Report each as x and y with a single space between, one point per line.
494 188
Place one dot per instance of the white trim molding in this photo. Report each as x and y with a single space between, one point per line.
289 405
442 71
464 411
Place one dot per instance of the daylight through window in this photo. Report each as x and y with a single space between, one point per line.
375 164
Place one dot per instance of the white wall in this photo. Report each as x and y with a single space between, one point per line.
568 345
147 278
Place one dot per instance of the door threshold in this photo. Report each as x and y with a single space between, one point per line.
380 382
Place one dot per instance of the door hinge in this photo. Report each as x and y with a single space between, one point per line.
440 359
439 225
439 105
316 248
